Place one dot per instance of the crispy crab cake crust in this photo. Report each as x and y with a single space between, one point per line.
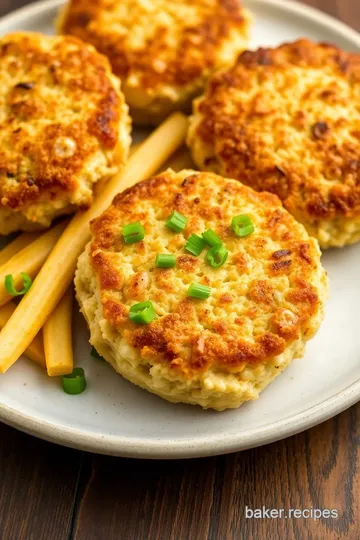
64 125
163 50
287 120
266 301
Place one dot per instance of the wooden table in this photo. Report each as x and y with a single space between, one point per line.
53 493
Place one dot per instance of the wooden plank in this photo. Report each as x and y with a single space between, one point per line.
346 10
349 12
137 499
38 482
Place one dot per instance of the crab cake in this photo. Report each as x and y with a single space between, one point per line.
287 120
266 300
64 125
163 50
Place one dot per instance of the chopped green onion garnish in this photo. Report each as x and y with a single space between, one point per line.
199 291
216 256
75 383
211 238
142 313
95 354
134 232
10 284
176 221
165 260
195 244
242 225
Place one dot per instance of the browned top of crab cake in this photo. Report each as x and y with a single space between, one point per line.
63 121
287 120
157 43
268 293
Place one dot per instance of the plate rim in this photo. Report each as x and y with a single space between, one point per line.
206 446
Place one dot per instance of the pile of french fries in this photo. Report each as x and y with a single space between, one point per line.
40 326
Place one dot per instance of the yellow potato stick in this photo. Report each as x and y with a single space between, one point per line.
58 338
58 271
29 260
180 160
17 245
35 350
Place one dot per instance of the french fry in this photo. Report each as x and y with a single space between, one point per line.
58 338
180 160
17 245
29 260
58 271
35 350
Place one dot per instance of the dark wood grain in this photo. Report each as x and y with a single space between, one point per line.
10 5
346 10
38 484
53 493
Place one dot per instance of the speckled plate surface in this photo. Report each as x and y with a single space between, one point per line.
114 417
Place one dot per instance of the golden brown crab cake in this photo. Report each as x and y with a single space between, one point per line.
266 301
163 50
287 120
64 125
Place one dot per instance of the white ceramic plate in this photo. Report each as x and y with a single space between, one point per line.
115 417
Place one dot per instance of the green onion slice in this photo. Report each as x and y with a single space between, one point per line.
242 225
216 256
195 244
176 221
95 354
10 284
196 290
165 260
75 383
211 238
134 232
142 313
